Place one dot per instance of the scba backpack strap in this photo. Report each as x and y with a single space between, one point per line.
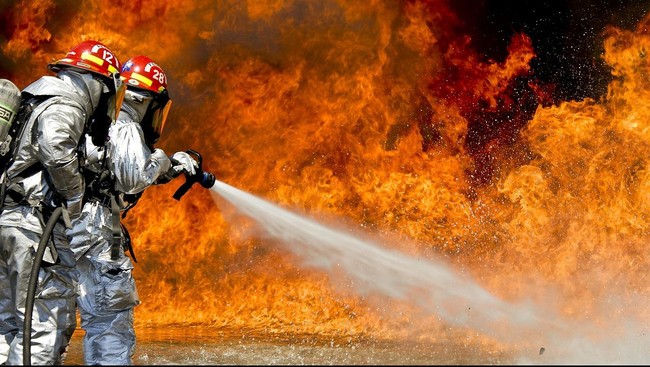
12 128
8 145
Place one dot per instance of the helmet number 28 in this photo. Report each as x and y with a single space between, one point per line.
159 76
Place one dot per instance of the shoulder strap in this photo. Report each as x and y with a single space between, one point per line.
17 130
8 147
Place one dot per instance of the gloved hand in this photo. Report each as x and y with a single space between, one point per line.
183 162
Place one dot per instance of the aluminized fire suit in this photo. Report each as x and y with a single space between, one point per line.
51 139
107 291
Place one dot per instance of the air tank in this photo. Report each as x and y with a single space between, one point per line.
9 105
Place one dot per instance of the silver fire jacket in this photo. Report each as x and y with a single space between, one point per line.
132 164
51 138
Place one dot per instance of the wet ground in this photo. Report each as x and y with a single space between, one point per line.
199 347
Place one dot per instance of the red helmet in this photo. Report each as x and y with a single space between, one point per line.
141 72
92 56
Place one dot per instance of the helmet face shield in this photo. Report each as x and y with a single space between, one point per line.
159 117
107 110
115 102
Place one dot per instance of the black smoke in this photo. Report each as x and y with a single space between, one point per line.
567 37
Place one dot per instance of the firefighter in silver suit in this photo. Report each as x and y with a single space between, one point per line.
117 176
45 174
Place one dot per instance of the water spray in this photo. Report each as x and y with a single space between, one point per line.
435 287
429 283
206 179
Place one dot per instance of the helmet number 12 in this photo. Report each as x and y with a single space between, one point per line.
107 56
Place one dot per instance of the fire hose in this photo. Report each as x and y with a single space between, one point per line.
31 289
205 179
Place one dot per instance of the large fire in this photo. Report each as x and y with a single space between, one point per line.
381 114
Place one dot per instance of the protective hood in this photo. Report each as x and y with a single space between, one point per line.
135 105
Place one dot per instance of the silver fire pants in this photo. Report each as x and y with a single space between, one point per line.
53 318
107 292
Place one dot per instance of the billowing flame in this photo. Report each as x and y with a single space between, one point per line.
379 113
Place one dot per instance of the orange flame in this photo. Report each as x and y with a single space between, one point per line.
381 114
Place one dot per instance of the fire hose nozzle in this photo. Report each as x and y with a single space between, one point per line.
205 179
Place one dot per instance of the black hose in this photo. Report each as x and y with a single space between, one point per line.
31 289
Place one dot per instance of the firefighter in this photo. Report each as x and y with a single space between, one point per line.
116 177
44 174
